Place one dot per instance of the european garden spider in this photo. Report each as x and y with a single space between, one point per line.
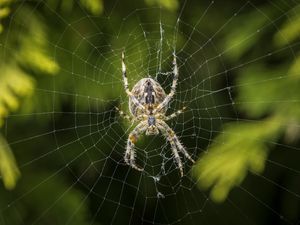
148 104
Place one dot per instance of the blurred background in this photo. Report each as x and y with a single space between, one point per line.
62 141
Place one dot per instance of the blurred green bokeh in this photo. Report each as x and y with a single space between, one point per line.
60 80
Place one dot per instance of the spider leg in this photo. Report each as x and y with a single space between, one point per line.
182 149
168 98
131 118
129 156
175 144
176 156
124 115
125 82
173 115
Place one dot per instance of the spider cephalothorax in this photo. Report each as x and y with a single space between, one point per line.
148 104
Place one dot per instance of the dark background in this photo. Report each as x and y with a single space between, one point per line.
62 141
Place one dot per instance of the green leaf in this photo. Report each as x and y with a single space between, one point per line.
94 6
171 5
260 89
14 83
290 30
8 167
34 44
4 11
3 2
240 147
243 35
294 70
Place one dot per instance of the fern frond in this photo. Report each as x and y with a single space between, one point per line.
14 83
171 5
33 45
294 70
4 11
290 30
241 147
94 6
9 171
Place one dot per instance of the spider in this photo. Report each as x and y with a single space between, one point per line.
148 104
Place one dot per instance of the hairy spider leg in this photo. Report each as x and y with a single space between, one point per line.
132 139
168 98
183 150
175 144
176 156
173 115
125 82
124 115
131 118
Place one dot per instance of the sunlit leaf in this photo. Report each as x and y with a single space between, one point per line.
33 51
35 58
14 84
3 2
240 147
294 70
290 30
4 12
171 5
260 89
9 171
94 6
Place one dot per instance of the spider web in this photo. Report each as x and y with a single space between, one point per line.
86 137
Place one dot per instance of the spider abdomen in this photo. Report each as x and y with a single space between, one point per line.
149 93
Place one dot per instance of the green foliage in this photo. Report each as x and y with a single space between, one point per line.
241 147
33 45
263 91
264 94
243 34
9 171
32 54
14 83
289 30
295 67
4 11
171 5
17 83
94 6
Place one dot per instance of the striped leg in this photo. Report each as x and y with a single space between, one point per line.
129 156
124 115
168 98
173 115
175 144
131 118
176 157
125 82
182 149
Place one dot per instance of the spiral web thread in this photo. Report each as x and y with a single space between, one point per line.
101 134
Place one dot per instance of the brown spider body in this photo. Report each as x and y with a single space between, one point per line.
148 104
142 91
